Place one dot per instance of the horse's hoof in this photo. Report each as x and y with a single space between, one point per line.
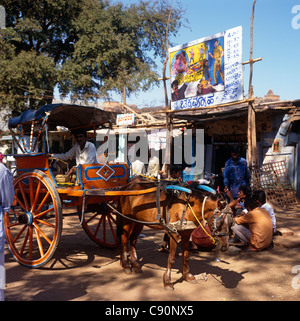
190 278
136 267
169 288
127 270
137 270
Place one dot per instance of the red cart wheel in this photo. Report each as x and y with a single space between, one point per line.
34 224
100 224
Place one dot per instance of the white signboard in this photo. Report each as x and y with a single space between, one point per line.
125 119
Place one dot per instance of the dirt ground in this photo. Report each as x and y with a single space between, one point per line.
81 271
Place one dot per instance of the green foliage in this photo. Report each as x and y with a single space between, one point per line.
87 48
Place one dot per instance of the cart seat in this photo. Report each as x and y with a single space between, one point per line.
107 175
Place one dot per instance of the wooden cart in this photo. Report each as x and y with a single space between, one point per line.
33 227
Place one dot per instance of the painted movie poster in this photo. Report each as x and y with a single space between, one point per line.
208 71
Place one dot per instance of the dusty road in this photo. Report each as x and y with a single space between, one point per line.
81 271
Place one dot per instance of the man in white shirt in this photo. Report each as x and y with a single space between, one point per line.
83 151
137 168
260 197
153 166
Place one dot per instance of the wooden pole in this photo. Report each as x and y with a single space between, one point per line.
169 137
251 134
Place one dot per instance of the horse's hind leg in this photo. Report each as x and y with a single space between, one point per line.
133 240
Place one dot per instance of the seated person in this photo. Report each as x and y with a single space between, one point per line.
258 233
83 151
237 205
137 168
175 172
153 166
260 197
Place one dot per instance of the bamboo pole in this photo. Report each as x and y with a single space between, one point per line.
251 133
169 137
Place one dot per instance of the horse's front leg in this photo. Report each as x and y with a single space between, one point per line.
187 276
133 240
124 241
171 260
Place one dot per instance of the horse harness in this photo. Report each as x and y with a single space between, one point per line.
181 225
219 216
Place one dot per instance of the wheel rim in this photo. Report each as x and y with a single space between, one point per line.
33 226
101 226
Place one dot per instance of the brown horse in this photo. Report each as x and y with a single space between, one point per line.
193 207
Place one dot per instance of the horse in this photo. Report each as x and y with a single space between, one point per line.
179 212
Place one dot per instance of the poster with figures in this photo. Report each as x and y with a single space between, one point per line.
207 71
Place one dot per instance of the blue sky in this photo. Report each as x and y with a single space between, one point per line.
275 40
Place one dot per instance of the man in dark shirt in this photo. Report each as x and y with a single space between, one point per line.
236 173
178 93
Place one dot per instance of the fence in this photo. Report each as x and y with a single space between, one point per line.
273 178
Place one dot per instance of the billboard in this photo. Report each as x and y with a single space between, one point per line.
207 71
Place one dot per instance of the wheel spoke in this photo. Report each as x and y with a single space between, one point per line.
42 203
104 228
36 196
20 202
46 223
39 242
19 234
43 213
24 196
31 189
92 217
24 243
30 242
98 225
42 233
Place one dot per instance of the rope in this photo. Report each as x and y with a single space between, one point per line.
152 178
60 160
211 238
203 205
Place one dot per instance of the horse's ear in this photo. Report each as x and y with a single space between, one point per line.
221 204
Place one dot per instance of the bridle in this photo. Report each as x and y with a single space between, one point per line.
219 218
225 217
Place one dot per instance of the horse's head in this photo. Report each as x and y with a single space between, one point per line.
221 227
217 214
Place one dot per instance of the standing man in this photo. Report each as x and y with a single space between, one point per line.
236 173
6 199
217 55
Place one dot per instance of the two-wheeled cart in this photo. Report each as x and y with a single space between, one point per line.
34 225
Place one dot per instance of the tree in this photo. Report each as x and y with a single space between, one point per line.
87 48
36 43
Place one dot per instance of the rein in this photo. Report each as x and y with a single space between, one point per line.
226 211
210 236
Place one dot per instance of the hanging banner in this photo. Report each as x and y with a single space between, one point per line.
207 71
